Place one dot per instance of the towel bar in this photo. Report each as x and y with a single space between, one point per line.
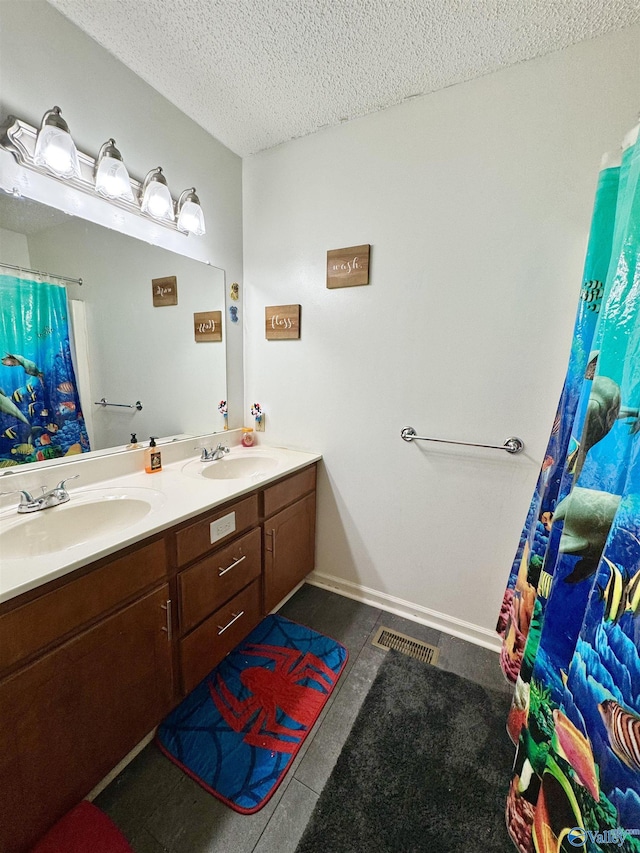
511 445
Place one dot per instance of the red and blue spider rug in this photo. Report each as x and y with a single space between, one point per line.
237 733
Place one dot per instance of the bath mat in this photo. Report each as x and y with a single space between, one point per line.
85 829
426 767
237 733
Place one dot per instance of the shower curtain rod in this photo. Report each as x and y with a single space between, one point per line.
41 272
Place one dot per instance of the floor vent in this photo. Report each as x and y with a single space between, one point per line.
385 638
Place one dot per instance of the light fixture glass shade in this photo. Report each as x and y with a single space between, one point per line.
156 198
112 178
190 215
55 149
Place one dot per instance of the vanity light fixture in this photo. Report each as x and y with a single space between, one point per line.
190 215
51 152
155 196
112 178
55 149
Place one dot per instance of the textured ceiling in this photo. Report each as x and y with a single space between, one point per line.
255 73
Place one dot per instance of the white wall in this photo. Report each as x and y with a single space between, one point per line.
46 60
14 249
476 201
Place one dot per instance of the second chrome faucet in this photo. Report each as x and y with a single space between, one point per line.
212 454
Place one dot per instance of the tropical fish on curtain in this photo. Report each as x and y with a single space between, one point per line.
40 414
571 614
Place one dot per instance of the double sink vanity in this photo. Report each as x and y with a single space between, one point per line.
115 604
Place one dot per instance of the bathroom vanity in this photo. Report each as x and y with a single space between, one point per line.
94 656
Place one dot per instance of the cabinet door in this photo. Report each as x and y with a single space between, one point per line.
289 549
67 719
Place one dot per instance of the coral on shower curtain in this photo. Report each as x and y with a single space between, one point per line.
40 415
571 615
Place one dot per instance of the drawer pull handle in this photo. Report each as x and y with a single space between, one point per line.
222 571
236 616
169 626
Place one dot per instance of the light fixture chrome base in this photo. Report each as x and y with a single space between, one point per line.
19 138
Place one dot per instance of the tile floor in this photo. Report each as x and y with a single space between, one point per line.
161 810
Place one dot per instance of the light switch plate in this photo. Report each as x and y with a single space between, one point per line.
222 527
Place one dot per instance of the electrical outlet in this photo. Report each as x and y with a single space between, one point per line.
222 527
260 423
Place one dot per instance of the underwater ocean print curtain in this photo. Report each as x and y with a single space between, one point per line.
40 415
570 619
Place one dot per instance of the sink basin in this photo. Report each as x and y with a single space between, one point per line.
244 464
238 467
88 515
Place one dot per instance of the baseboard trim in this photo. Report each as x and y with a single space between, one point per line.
108 779
424 615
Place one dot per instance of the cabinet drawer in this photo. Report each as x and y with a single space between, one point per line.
36 625
207 585
289 490
205 646
195 540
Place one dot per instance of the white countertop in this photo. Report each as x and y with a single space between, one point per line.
177 494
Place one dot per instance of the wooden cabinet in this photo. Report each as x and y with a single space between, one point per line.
224 594
206 645
68 717
88 662
206 586
289 536
220 601
29 629
194 539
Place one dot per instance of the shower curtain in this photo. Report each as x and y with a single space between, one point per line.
40 415
570 619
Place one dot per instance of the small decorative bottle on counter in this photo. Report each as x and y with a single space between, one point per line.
247 439
152 457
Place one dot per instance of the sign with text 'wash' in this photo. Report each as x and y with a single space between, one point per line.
348 267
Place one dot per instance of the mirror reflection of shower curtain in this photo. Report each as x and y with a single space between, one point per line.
40 413
80 357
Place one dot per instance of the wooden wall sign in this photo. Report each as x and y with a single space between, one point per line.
282 322
165 291
207 326
348 267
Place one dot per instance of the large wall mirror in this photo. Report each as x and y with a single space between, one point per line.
125 349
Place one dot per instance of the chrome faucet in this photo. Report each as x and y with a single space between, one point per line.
213 454
53 497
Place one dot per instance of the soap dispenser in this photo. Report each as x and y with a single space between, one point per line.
152 457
